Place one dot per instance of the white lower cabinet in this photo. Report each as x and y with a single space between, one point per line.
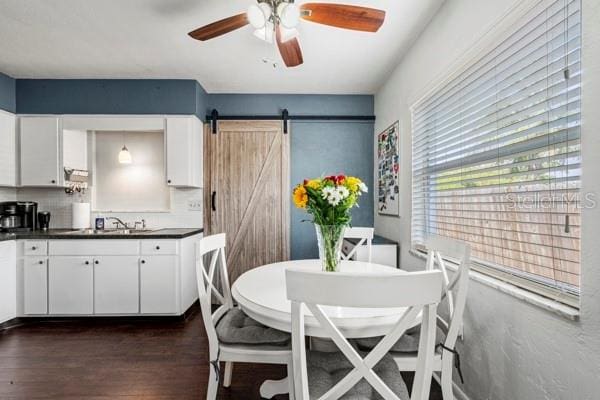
158 284
35 285
108 277
71 285
116 285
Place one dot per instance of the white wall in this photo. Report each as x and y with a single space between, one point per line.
512 350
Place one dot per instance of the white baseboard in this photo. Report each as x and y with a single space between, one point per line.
458 393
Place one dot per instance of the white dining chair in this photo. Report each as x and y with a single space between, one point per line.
440 249
232 335
327 375
365 238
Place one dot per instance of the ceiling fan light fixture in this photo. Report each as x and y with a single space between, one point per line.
266 32
259 14
289 15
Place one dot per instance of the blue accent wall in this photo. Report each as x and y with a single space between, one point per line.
328 148
110 96
297 104
317 148
8 100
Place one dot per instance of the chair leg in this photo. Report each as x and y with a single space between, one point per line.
290 376
446 377
213 385
228 374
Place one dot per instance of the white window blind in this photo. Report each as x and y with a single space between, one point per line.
496 153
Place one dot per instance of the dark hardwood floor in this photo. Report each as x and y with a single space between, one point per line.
116 359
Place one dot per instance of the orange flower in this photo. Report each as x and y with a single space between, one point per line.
300 196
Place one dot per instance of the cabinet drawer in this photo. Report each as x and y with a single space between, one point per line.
35 248
159 247
90 247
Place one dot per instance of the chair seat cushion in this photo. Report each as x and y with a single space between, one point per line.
235 327
408 343
326 369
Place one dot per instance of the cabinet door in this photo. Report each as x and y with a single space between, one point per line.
39 151
178 151
70 285
158 285
7 149
35 285
8 281
116 285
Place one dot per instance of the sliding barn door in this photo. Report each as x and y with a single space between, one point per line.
249 189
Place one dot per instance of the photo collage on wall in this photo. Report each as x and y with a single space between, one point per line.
388 171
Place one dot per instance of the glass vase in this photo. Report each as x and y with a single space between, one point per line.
329 239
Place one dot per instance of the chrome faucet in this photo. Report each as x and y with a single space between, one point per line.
142 223
118 221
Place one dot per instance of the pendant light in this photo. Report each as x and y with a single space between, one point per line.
124 154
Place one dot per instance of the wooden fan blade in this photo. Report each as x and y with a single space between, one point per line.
219 28
344 16
290 50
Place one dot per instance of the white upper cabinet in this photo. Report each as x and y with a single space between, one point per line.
46 150
7 149
183 142
40 140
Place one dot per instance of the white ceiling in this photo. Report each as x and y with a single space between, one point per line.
148 39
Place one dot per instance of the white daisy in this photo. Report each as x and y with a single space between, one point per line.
343 191
334 198
363 187
326 191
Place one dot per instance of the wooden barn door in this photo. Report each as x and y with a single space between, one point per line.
248 192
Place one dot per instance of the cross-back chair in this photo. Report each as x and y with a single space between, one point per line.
450 315
365 237
417 292
213 247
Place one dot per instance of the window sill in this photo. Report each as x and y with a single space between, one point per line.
550 305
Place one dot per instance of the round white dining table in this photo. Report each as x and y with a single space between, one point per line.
261 294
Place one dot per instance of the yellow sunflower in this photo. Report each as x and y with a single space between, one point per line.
353 184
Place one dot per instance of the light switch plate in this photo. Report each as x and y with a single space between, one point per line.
195 205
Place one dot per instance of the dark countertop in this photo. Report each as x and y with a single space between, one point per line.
168 233
376 240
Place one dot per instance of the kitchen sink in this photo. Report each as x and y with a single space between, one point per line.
92 232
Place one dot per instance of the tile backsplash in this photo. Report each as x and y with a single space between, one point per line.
8 194
181 214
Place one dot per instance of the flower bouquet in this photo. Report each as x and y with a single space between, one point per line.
329 201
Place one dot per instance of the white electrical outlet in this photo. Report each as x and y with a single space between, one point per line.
195 205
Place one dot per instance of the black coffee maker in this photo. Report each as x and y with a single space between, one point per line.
18 216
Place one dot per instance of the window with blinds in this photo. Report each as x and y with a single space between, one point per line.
496 154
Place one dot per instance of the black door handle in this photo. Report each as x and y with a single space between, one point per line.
213 203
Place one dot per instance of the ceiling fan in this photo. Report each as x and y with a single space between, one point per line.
278 19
